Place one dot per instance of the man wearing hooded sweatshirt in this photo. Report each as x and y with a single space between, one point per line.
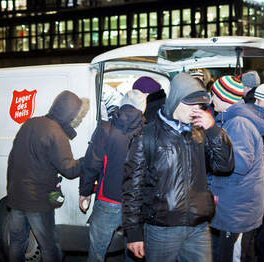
240 207
103 162
40 151
168 192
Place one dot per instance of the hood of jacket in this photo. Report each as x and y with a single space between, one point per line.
64 109
181 85
128 119
252 112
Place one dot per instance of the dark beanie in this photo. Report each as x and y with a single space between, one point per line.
181 86
146 84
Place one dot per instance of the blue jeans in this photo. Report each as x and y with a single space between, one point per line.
105 218
42 225
179 243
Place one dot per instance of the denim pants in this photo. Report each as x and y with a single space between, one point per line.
179 243
42 225
105 218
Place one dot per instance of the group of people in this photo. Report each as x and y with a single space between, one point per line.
182 174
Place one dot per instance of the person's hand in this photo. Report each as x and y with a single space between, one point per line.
202 118
84 203
137 248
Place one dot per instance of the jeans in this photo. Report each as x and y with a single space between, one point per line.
105 218
179 243
42 225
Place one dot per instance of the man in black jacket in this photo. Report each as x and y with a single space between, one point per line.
40 151
103 162
166 191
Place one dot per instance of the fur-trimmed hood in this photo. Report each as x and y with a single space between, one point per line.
68 110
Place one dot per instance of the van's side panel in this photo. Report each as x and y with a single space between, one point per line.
48 81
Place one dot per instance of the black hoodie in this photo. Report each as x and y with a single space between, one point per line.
105 156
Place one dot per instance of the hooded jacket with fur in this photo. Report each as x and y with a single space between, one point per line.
40 151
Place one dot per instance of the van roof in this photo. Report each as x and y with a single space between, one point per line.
252 46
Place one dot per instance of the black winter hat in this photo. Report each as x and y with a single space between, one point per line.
181 88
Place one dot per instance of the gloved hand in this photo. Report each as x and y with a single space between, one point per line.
84 203
56 197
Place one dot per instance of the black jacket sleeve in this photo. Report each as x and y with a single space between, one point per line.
133 185
92 163
219 151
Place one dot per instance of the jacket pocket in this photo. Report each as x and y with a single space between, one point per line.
202 205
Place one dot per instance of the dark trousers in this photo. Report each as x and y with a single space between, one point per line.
259 243
224 243
42 225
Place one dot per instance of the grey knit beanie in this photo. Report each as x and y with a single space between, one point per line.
251 79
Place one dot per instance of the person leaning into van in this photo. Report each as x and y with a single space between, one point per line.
40 151
165 183
103 162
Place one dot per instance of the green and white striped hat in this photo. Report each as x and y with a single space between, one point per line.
229 89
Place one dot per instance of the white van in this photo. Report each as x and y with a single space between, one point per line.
26 92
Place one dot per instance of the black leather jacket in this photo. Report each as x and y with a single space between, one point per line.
173 190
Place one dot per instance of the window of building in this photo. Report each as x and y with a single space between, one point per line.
224 28
21 39
87 32
21 4
7 5
211 30
166 24
106 31
113 30
224 14
143 31
165 32
186 31
245 21
123 29
95 31
153 26
134 34
43 32
186 16
2 39
199 22
212 21
144 27
33 36
211 14
175 24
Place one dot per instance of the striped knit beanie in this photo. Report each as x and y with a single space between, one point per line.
229 89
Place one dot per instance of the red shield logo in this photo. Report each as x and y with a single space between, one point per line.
23 105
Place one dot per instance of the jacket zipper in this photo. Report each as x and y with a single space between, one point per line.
187 165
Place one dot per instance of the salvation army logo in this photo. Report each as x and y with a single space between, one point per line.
23 105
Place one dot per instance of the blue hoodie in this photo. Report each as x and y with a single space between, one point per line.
240 205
